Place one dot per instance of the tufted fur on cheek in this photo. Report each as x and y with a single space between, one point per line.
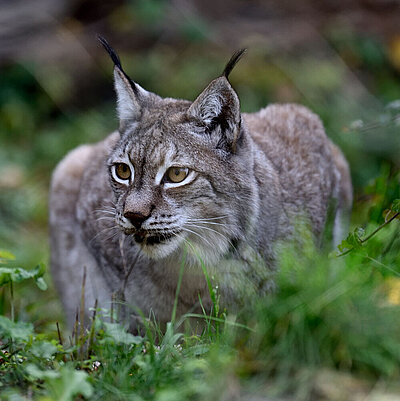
218 109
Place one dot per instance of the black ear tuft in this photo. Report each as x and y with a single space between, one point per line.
232 62
115 58
110 51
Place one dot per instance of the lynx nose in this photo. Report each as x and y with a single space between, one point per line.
136 218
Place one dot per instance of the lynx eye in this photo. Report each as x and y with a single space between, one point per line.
122 171
176 174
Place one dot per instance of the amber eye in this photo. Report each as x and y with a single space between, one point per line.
122 171
176 174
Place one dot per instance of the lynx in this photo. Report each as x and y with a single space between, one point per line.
190 187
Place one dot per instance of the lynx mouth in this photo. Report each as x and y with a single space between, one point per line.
146 238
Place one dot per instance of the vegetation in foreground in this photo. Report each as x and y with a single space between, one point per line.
338 313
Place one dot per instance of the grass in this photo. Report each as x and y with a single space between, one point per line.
329 313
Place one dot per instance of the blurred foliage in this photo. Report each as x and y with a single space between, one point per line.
329 314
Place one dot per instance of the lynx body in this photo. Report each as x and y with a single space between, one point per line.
188 184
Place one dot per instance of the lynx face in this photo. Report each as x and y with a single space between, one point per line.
175 184
182 172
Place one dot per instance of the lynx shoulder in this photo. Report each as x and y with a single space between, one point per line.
188 184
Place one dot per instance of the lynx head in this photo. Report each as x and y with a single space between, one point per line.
182 172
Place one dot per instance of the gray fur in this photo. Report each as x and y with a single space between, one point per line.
252 177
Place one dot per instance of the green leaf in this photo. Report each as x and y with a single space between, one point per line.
41 283
43 349
5 255
18 274
334 254
15 330
396 206
115 333
12 394
14 274
36 373
63 385
40 270
170 338
70 383
353 240
344 245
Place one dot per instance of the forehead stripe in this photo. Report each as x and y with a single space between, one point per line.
169 156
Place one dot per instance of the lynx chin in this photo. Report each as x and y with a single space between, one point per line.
194 184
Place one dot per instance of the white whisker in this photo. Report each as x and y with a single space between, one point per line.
205 222
111 236
207 228
105 218
185 240
104 230
214 231
105 211
199 235
210 218
108 201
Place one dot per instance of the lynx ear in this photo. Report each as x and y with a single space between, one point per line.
218 108
131 97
